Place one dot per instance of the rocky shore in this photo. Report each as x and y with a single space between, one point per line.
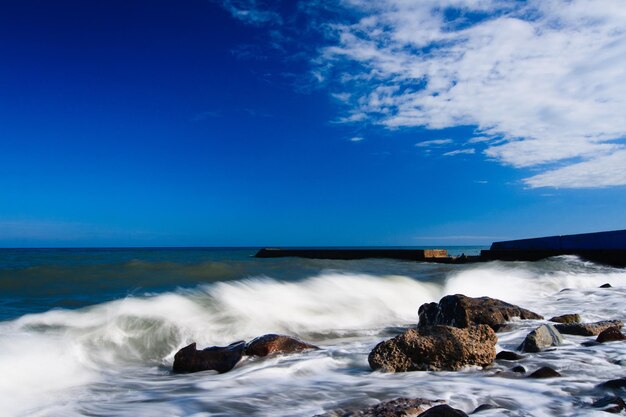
455 334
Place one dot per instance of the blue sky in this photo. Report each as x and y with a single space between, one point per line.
347 122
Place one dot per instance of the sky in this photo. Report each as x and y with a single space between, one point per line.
310 123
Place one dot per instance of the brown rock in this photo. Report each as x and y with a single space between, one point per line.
435 348
272 344
566 318
217 358
588 329
612 334
545 372
461 311
400 407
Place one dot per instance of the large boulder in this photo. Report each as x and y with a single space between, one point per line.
271 344
542 337
400 407
588 329
216 358
461 311
435 348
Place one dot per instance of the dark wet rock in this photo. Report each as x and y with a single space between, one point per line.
610 404
588 329
544 372
506 355
542 337
612 334
400 407
519 369
216 358
443 410
461 311
566 318
483 407
589 343
271 344
435 348
607 285
614 384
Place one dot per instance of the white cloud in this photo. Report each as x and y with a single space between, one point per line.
469 151
356 139
434 142
603 171
545 78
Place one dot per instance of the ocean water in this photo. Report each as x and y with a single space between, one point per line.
94 332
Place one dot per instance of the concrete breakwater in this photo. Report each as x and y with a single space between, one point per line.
607 248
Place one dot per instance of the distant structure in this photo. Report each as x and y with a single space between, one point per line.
607 248
602 247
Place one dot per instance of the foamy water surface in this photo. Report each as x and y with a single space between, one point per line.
114 358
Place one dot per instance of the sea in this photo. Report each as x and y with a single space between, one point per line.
93 332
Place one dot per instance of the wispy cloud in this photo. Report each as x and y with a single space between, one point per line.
251 12
356 139
546 77
434 142
468 151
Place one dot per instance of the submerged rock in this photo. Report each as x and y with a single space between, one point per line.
544 372
588 329
400 407
216 358
612 334
271 344
566 318
435 348
542 337
614 384
484 407
461 311
509 356
610 404
443 410
519 369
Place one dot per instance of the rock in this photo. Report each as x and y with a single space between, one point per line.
435 348
519 369
589 343
443 410
607 285
614 384
610 404
400 407
612 334
216 358
461 311
505 355
542 337
566 318
544 372
484 407
588 329
271 344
